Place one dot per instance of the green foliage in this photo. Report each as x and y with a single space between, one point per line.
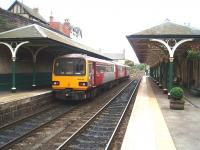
129 63
136 70
176 93
192 54
141 66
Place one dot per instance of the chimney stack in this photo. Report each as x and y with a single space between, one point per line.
67 23
51 18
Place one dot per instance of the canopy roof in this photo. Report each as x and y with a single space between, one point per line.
40 36
115 56
169 28
152 52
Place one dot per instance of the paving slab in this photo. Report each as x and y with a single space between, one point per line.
194 100
184 125
147 129
6 97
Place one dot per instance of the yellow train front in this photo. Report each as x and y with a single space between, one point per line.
70 77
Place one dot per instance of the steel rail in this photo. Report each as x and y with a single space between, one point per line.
15 140
122 116
73 136
4 127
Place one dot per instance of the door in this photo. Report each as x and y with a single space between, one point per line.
91 74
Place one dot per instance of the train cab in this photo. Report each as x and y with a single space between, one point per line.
70 74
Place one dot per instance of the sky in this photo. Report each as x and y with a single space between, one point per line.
106 23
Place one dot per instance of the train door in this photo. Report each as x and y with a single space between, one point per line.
91 74
116 72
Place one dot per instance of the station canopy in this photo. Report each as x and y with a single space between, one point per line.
151 52
39 36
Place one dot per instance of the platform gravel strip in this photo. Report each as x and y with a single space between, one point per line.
97 134
13 133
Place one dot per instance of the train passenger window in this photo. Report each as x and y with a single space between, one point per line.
109 68
100 68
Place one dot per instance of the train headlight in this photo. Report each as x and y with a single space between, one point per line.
56 83
83 83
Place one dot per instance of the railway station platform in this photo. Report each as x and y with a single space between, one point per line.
147 128
13 106
154 126
7 97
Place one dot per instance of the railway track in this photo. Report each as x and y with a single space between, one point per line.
15 132
99 130
53 134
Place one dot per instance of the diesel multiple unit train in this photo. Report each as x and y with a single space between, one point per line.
78 76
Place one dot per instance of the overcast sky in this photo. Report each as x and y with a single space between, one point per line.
105 23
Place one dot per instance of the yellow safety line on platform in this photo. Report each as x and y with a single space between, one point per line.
147 129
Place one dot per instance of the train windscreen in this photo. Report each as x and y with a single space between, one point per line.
69 66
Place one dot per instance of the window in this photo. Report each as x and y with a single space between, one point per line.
69 66
100 68
105 68
109 68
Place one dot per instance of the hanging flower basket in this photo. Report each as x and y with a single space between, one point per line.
193 54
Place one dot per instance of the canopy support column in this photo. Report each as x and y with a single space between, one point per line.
165 78
13 89
171 74
34 54
157 74
161 75
34 72
13 51
154 74
171 50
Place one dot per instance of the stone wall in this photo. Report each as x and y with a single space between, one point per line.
16 110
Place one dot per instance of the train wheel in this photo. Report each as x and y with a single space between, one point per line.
95 92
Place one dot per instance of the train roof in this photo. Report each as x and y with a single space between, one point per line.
86 57
121 64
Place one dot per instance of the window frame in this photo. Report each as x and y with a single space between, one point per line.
84 67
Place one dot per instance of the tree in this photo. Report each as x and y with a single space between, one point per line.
129 63
142 66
